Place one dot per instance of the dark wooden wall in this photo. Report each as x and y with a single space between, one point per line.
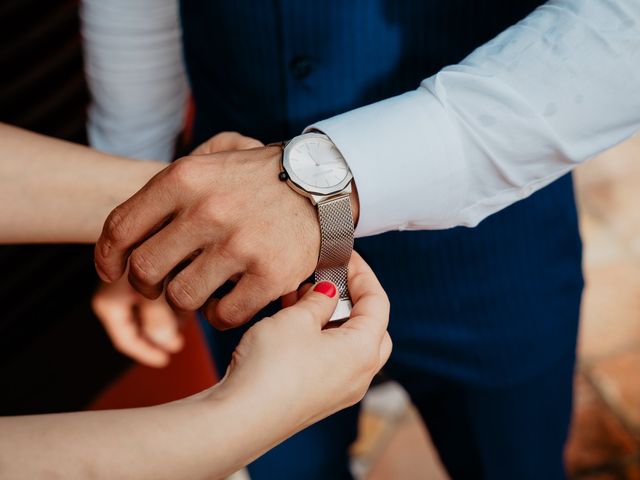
54 355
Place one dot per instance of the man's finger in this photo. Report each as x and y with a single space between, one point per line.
247 298
304 289
158 255
289 299
130 223
191 288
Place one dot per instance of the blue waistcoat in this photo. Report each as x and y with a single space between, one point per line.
488 305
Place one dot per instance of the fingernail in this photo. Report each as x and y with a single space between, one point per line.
163 336
326 288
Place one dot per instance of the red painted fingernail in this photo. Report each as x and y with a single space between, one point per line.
326 288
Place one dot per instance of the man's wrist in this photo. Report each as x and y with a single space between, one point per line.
355 200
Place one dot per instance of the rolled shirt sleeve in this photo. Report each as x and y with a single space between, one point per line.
135 71
550 92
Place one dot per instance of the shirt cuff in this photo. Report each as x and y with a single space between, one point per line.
406 162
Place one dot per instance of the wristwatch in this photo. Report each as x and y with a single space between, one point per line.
315 168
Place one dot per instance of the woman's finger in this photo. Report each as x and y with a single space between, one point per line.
316 305
385 350
160 324
121 324
370 302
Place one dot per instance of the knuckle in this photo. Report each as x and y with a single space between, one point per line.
226 139
115 230
357 393
227 255
359 280
388 344
183 295
310 315
386 303
142 268
211 212
271 270
304 314
360 392
356 390
231 313
367 357
316 308
216 142
243 245
182 172
274 276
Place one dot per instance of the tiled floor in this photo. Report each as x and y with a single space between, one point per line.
605 437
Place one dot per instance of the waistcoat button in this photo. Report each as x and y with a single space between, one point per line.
300 67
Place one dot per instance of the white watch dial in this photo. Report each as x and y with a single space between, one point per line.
318 163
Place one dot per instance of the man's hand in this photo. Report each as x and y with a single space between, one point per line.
226 141
208 218
146 330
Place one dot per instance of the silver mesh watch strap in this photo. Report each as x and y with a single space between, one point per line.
336 245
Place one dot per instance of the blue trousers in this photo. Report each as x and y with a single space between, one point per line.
484 323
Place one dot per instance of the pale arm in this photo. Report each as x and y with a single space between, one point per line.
56 191
195 438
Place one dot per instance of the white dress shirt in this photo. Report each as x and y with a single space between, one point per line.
552 91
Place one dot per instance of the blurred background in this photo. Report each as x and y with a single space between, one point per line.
54 355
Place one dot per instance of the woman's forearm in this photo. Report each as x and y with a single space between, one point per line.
56 191
286 373
204 437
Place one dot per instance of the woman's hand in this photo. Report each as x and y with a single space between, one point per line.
287 372
302 372
146 330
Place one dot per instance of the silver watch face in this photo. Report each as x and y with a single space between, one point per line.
314 164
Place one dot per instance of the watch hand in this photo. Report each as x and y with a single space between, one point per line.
310 155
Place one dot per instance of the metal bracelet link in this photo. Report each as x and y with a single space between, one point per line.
336 243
